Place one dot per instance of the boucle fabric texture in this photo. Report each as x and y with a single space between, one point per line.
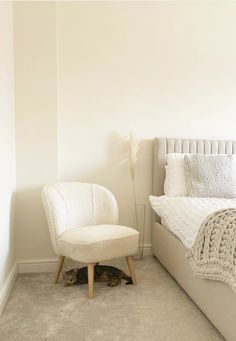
213 254
210 176
93 244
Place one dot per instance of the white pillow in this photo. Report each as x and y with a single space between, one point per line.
166 182
175 183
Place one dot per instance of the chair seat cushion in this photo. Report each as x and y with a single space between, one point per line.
92 244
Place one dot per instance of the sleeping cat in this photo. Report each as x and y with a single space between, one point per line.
102 273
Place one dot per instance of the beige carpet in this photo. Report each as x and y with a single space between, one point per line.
157 309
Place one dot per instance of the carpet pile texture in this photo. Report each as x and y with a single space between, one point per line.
156 309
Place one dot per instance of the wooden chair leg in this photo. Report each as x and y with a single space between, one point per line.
129 260
59 266
90 280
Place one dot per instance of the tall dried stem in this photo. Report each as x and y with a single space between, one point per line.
133 152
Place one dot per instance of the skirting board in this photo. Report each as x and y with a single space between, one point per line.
36 265
49 265
147 250
6 289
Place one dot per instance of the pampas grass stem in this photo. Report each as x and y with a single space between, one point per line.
135 204
133 151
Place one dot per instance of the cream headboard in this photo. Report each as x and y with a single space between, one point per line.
163 146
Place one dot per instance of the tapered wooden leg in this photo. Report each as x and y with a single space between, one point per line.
59 266
90 280
129 260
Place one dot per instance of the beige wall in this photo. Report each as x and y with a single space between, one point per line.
36 122
158 68
7 142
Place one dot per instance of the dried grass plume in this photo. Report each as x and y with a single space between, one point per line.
133 152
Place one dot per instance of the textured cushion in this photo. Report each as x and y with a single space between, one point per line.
210 175
175 184
96 243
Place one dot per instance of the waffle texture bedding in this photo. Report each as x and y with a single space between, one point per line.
183 216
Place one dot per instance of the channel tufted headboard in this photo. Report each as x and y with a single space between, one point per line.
163 146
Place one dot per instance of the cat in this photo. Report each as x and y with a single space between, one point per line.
102 273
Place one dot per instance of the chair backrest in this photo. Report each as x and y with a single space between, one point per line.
73 204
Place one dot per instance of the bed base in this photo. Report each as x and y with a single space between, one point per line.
216 299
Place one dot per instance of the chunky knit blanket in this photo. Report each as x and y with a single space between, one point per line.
213 254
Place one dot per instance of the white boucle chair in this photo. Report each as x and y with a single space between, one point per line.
82 220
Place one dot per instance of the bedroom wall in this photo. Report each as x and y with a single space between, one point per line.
7 146
157 68
36 122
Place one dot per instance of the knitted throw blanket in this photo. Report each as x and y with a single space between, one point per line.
213 254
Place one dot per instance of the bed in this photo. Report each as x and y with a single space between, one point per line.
216 299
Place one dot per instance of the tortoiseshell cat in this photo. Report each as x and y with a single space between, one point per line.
102 273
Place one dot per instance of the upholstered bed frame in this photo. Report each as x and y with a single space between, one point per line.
215 299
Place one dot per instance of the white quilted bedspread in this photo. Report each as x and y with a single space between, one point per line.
183 215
